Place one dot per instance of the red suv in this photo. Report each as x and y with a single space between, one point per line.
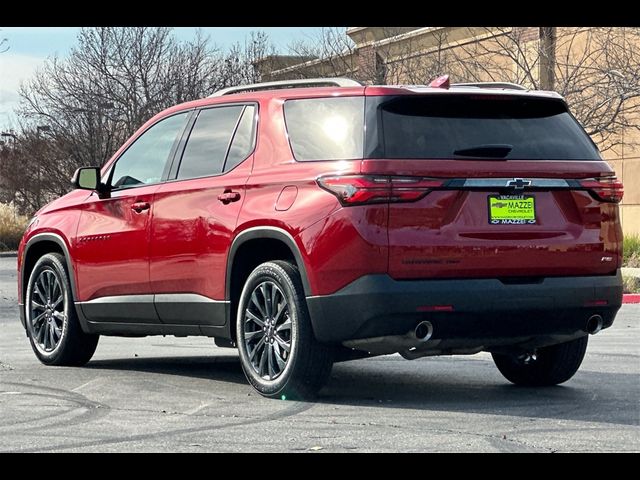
315 221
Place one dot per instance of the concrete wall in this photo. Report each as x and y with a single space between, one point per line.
626 162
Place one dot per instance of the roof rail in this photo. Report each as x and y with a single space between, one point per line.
301 83
505 85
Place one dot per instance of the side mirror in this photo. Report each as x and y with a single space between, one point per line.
86 178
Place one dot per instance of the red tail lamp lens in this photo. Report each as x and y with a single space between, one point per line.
364 189
607 189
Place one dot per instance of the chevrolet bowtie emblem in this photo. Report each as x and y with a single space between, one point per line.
518 183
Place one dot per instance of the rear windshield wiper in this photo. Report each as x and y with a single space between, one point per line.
493 150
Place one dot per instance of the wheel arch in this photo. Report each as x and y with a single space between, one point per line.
41 244
271 243
261 233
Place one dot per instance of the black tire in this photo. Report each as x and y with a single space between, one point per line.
552 365
308 363
57 327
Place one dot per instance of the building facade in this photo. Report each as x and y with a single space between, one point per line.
596 69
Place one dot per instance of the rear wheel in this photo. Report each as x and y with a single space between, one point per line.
546 366
278 351
52 323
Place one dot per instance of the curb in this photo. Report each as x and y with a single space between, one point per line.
8 254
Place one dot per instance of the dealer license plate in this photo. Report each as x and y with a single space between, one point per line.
512 209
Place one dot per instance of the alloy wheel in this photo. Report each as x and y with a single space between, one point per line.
47 308
267 330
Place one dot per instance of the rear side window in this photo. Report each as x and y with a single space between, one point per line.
243 140
209 141
452 126
326 128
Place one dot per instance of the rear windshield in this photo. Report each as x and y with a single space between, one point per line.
439 126
471 126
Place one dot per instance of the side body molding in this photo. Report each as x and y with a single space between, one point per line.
139 324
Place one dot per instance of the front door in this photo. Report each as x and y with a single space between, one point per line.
112 241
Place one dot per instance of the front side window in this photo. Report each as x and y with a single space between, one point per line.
209 142
144 161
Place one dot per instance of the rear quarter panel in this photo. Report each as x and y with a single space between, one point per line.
335 244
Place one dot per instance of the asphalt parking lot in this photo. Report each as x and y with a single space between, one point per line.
184 394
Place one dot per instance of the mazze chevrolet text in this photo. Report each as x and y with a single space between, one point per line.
315 221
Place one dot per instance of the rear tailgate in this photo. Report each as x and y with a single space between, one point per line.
448 233
495 213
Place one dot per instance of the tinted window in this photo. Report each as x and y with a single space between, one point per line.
144 161
467 126
243 140
208 142
326 128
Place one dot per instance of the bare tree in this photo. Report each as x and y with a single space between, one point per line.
238 64
109 85
333 53
328 53
597 70
113 81
409 63
33 171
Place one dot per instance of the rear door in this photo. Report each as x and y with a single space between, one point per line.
515 187
195 215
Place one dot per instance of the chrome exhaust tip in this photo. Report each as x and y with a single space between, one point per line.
594 324
423 331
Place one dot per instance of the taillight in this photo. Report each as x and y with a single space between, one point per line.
607 189
363 189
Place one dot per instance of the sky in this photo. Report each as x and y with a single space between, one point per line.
29 47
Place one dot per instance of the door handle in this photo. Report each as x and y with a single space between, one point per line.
228 196
139 207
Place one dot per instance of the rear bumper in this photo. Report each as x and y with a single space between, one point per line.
377 305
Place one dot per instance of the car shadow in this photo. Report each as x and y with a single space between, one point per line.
589 396
441 386
219 368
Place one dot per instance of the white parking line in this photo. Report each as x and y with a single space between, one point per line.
197 409
85 384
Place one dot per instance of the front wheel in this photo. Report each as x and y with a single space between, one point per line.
278 351
546 366
52 323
